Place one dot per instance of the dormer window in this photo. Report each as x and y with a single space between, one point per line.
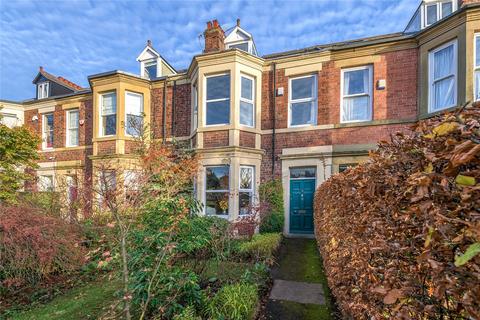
437 10
150 69
42 90
240 39
242 46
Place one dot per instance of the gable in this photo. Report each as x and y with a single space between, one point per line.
237 34
40 78
147 54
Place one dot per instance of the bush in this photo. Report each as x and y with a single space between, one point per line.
188 313
262 247
34 246
398 233
234 302
271 193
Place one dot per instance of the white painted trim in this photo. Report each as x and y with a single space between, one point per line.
475 67
431 55
252 102
438 4
67 128
100 122
204 196
313 100
251 190
369 94
40 89
44 141
215 100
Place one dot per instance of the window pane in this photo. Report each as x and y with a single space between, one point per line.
151 71
73 137
245 202
247 87
45 183
443 62
217 178
444 93
110 124
246 178
356 108
356 82
134 125
241 46
446 9
73 119
48 130
218 112
431 14
345 166
301 113
216 203
109 103
218 87
303 88
246 113
133 103
477 52
297 173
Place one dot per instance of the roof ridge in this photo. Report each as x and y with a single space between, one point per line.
60 79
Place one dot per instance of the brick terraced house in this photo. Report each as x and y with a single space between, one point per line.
299 116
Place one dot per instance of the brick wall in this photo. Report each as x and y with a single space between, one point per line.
247 139
212 139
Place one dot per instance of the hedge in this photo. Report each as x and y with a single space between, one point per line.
399 234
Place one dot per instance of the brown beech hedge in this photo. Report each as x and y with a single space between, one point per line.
400 234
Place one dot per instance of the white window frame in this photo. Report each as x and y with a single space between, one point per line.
101 115
148 63
251 190
368 94
252 102
44 135
439 9
68 128
248 42
217 191
475 67
313 100
431 81
216 100
140 114
41 88
195 106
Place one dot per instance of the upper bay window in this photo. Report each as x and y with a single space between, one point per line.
133 114
218 100
217 191
477 67
437 10
303 101
108 114
72 128
47 132
442 77
43 90
356 91
247 103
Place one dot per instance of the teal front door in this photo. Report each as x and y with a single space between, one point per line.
301 205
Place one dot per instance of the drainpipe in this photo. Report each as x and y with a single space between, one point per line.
274 94
164 129
173 107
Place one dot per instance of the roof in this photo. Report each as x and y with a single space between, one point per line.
149 47
60 80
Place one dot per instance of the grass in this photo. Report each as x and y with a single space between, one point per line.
85 302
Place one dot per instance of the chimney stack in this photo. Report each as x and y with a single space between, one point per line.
214 37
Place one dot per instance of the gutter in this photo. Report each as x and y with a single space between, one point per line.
274 95
164 127
173 106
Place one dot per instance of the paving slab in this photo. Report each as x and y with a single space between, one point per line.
301 292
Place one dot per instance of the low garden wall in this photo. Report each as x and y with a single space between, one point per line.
400 234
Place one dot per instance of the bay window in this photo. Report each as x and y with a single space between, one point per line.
303 101
356 91
218 100
442 63
47 132
246 189
133 114
247 104
477 67
217 191
108 114
72 128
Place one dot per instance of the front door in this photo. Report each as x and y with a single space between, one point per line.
301 205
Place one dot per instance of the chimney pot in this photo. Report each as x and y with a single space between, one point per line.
209 25
214 37
215 23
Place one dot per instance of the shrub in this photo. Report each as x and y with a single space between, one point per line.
34 246
271 193
258 275
262 247
398 233
234 302
188 313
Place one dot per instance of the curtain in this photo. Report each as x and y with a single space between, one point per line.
444 89
133 104
443 63
477 84
109 104
357 107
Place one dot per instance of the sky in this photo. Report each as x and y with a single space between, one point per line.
78 38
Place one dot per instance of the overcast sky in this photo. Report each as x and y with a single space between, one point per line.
77 38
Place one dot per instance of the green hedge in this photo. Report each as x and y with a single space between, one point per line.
271 193
234 302
262 246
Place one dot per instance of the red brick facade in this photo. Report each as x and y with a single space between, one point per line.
213 139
